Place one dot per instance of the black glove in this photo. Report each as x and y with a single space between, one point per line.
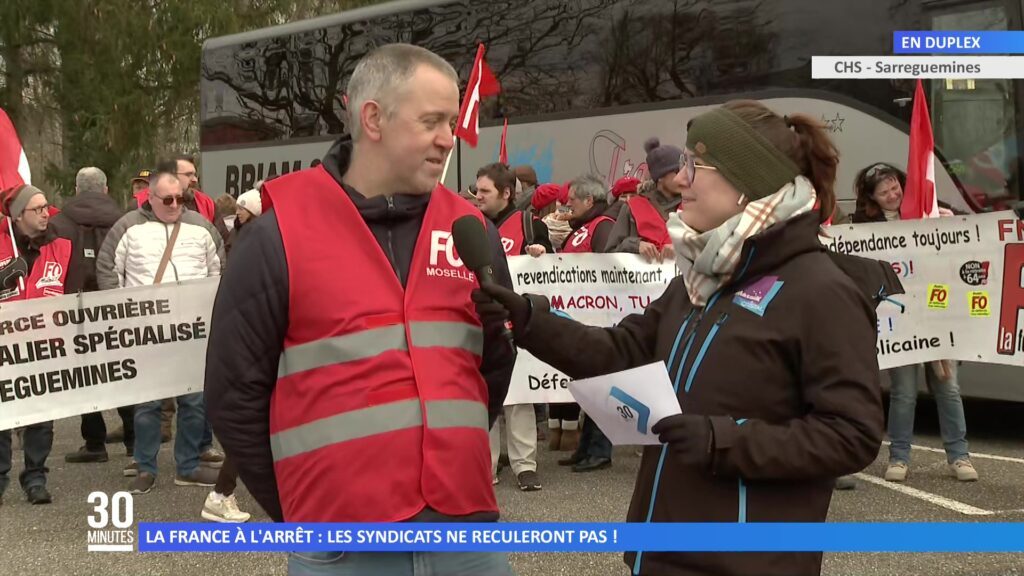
689 438
9 274
495 303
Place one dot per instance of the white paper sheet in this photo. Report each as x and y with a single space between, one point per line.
626 404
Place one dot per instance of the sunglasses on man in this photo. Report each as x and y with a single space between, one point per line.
172 200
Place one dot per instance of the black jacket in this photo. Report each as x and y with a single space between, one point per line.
540 230
790 391
250 318
85 219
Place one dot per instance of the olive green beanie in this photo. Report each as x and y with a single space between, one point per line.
747 160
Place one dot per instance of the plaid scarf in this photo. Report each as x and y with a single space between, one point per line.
708 260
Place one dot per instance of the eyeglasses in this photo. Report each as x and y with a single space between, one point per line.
688 165
40 210
172 199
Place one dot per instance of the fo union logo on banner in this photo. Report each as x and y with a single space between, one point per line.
111 523
938 296
979 305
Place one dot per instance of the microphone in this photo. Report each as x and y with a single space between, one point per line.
475 251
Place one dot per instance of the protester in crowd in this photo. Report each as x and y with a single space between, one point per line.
588 201
521 233
248 207
640 226
879 190
34 263
591 229
549 203
140 181
86 219
526 185
184 169
357 384
163 240
622 190
226 206
776 401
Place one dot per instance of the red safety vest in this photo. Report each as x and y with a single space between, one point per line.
649 224
49 271
582 238
380 409
513 235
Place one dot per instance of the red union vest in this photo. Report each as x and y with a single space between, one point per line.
513 235
379 410
649 224
582 238
49 271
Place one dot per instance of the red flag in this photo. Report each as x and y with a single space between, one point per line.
13 162
481 83
503 150
919 199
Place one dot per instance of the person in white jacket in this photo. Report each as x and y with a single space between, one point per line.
131 256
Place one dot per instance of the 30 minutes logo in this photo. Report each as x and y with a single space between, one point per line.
117 511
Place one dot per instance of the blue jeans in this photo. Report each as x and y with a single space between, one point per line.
191 425
903 400
593 442
399 564
36 443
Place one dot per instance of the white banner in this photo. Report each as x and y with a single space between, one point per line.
73 354
63 356
962 276
596 289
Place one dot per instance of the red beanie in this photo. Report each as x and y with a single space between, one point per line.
544 195
625 186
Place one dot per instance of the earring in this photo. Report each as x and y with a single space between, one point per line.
741 200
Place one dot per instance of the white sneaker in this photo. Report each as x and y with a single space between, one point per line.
964 470
896 472
223 510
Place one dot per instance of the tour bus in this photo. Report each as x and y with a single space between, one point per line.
586 82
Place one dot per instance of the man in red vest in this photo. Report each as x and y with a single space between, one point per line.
34 263
521 233
348 371
640 226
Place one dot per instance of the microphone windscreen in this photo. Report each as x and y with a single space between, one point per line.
471 242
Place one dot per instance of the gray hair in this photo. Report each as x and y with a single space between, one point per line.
382 74
589 186
91 179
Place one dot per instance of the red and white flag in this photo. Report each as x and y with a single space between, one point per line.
482 83
13 162
503 149
919 199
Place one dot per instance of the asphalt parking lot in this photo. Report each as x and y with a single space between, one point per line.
51 539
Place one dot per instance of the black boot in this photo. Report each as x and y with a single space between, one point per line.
38 495
85 454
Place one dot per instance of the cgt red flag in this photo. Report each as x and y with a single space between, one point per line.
13 162
482 83
503 150
919 199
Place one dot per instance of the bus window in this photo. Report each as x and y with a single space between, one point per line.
975 121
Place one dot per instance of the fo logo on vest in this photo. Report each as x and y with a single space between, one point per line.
441 242
52 271
580 236
507 244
